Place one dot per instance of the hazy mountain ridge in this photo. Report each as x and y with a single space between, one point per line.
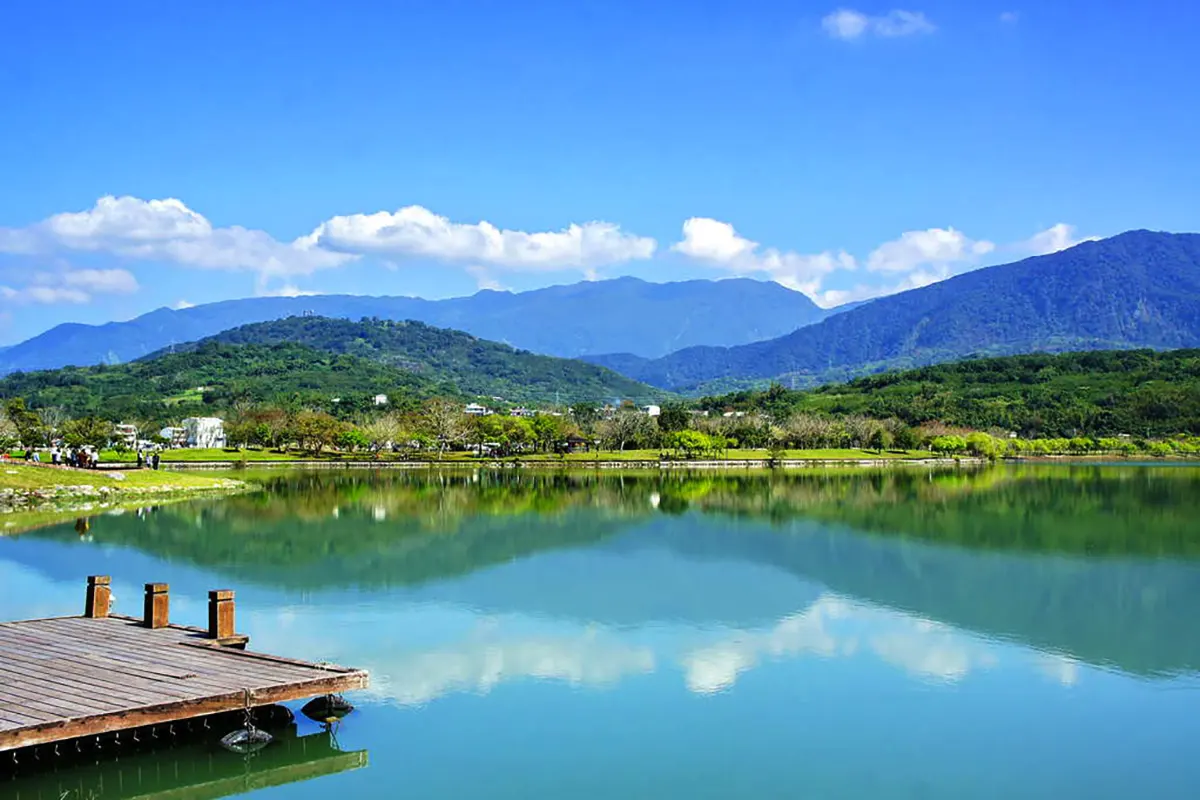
624 314
1137 290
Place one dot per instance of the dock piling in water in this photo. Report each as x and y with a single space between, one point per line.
99 597
157 606
220 614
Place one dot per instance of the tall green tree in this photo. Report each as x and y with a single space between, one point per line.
29 427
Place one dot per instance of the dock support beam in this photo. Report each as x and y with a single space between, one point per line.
99 597
157 606
220 614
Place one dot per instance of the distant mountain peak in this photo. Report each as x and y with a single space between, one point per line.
623 314
1138 289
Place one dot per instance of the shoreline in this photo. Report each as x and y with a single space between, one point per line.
43 490
577 464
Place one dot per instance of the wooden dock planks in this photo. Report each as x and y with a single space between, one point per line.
67 677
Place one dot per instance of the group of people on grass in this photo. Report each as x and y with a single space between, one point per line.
78 457
150 460
83 457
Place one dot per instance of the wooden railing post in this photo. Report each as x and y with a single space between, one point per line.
157 606
220 614
99 597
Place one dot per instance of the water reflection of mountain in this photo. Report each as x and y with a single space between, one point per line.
727 550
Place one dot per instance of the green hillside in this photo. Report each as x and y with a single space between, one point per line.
1139 392
311 360
214 376
475 366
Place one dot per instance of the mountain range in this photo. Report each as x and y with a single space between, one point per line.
619 315
1140 289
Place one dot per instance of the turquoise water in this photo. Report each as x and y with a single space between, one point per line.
1017 632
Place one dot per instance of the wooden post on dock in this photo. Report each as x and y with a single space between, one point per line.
99 597
156 609
220 614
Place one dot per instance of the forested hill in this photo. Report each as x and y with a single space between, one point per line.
1139 289
1138 392
475 366
311 360
213 377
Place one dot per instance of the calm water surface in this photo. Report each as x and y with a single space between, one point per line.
1020 632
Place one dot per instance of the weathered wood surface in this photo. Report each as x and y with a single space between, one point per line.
67 677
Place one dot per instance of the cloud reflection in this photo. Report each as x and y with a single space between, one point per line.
478 666
834 627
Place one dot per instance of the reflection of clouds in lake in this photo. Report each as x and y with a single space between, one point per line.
831 627
716 667
927 649
436 650
588 660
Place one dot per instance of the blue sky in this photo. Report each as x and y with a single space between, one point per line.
156 154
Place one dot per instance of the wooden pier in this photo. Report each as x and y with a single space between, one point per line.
70 677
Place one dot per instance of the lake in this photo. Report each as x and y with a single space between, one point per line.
1019 631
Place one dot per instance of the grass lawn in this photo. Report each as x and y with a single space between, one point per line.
202 454
252 456
20 476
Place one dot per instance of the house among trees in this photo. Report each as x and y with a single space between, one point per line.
652 411
381 399
126 435
576 444
174 436
476 410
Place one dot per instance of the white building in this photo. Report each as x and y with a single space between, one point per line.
651 411
176 437
204 432
476 410
381 399
126 435
527 413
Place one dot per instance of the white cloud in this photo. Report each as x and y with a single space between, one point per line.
181 304
286 290
71 286
1055 238
44 295
484 278
415 231
167 231
848 24
1010 17
718 244
101 281
926 257
937 247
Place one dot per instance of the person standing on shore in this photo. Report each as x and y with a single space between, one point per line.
155 458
